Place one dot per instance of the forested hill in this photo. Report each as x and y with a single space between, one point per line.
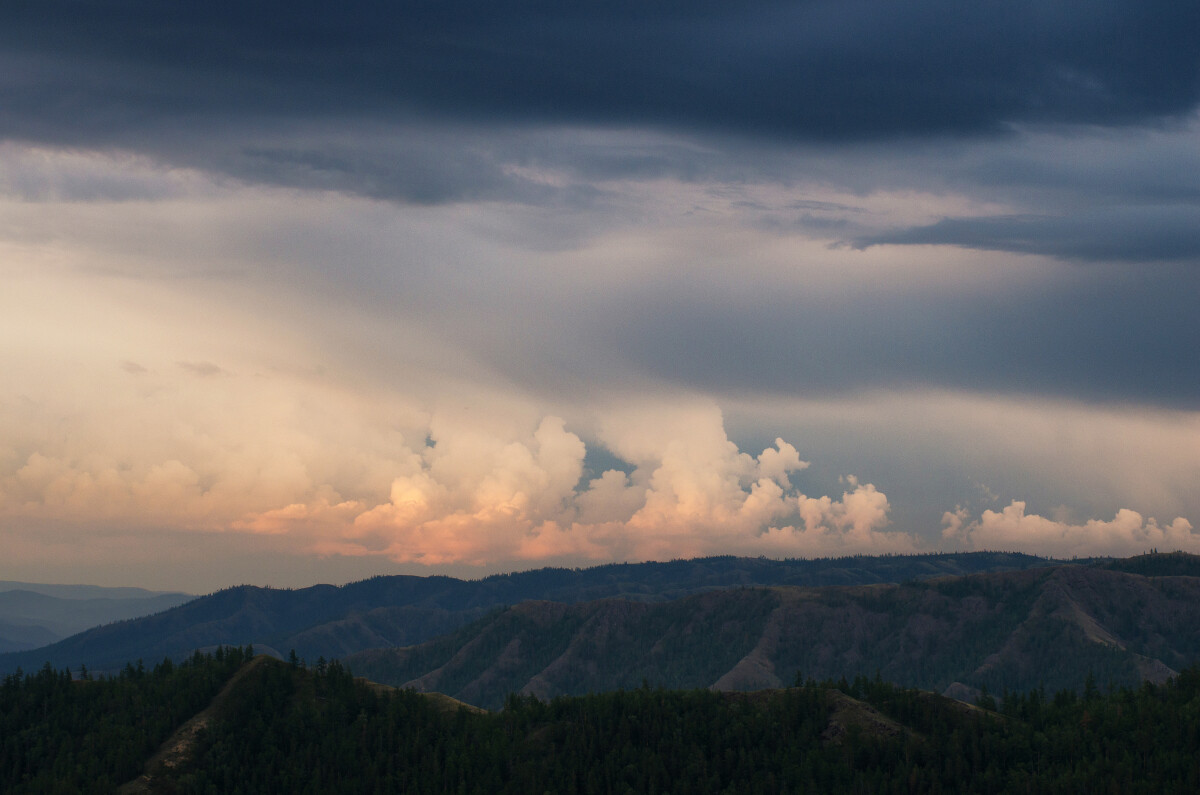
1016 630
275 727
402 610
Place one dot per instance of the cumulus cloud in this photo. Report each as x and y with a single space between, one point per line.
473 496
1127 533
476 493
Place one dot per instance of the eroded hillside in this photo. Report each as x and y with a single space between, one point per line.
1048 627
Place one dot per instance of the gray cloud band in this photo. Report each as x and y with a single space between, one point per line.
811 70
1128 234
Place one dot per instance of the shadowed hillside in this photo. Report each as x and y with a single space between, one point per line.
401 610
1015 630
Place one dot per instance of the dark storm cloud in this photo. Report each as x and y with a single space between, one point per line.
433 102
422 169
96 72
1139 234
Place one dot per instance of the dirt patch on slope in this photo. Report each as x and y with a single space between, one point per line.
851 714
178 748
757 669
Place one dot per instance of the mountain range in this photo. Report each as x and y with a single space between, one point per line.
1048 626
34 614
395 611
958 624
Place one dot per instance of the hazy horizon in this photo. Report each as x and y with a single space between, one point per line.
469 574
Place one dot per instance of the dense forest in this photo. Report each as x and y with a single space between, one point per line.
61 732
287 728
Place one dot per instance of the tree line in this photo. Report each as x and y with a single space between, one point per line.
291 728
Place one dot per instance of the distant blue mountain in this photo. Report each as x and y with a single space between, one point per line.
86 591
19 637
35 614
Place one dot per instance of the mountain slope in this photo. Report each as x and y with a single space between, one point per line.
1015 631
180 746
286 729
18 637
276 727
402 610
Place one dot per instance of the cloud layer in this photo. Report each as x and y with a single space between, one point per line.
400 286
814 69
468 495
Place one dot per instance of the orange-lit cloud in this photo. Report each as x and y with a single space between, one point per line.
476 498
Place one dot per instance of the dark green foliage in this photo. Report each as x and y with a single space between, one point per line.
283 728
320 731
58 734
323 732
1159 564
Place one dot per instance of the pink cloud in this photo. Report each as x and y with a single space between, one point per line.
480 494
479 499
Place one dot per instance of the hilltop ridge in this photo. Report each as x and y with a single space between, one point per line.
403 610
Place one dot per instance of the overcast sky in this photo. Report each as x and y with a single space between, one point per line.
301 292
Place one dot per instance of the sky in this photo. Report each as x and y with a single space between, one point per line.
309 292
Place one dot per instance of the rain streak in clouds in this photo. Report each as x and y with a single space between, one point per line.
472 286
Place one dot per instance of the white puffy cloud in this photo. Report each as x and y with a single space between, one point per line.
476 497
934 449
1127 533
